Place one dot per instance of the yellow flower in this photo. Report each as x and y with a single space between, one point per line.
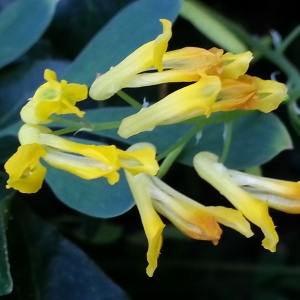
148 55
85 161
182 65
176 107
141 160
249 93
53 97
193 219
255 210
210 94
26 173
278 194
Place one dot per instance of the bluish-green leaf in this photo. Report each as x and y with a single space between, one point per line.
95 197
162 137
136 24
21 24
256 139
44 265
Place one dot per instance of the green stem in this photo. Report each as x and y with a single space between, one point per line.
288 40
65 122
84 126
168 161
129 100
182 141
227 140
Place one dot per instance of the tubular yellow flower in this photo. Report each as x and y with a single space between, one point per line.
26 173
255 210
176 107
182 65
85 161
193 219
148 55
210 94
53 97
152 223
278 194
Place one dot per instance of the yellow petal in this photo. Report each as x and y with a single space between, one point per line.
192 219
271 94
83 167
253 209
26 173
152 223
161 44
181 105
139 161
146 56
85 161
192 58
186 206
53 97
49 75
279 194
235 65
147 79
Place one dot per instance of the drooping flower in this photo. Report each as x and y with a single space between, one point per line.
152 195
210 94
255 210
53 97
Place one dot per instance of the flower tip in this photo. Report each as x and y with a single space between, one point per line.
215 242
149 271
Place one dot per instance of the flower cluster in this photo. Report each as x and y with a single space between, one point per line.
217 81
26 173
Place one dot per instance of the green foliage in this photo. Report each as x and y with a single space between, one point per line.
21 25
6 283
79 39
56 266
92 197
111 45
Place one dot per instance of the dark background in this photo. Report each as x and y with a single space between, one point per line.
237 268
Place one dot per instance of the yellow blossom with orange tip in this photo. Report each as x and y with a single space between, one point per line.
53 97
255 210
181 65
250 93
210 94
178 106
278 194
152 195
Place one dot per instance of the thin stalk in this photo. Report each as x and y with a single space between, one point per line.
182 141
227 140
168 161
129 100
